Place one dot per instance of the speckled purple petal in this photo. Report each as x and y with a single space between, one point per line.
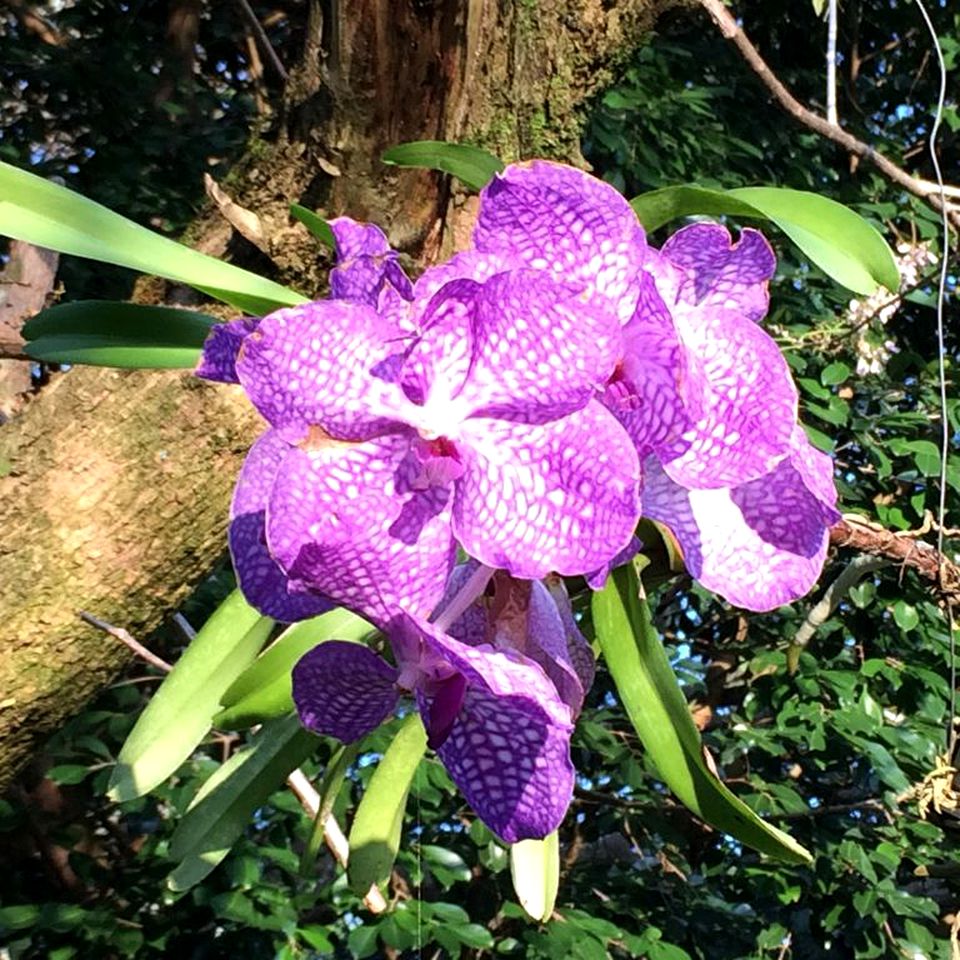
579 649
749 404
343 521
472 626
219 358
509 749
656 391
520 346
367 269
343 690
263 583
524 617
322 365
759 545
561 496
560 219
720 273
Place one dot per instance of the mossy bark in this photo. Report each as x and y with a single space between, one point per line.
115 486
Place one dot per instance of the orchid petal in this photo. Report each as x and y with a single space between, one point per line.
557 218
325 365
263 583
367 270
343 520
509 749
718 272
561 496
759 545
219 358
343 690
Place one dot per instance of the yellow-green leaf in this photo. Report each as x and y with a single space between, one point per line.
375 834
535 871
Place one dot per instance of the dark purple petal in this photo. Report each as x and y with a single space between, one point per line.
472 626
343 690
367 270
559 219
343 521
446 702
721 273
509 749
263 583
561 496
321 365
759 545
749 404
219 358
520 346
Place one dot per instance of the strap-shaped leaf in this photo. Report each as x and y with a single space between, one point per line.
49 215
375 834
535 871
315 224
659 713
844 245
265 688
329 789
114 334
475 167
224 805
179 715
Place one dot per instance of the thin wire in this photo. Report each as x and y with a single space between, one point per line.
942 355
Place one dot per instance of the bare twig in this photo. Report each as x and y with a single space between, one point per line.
257 27
731 30
333 836
124 637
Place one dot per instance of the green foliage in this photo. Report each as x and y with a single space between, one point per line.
475 167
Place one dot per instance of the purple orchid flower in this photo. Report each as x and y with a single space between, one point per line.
492 710
469 411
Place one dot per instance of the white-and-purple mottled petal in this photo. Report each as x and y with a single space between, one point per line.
343 520
718 272
760 544
561 496
325 364
562 220
749 403
579 649
219 358
260 578
343 690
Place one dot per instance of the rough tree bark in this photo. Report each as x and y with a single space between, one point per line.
114 487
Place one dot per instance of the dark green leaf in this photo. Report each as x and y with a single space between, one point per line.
660 715
316 225
113 334
224 805
475 167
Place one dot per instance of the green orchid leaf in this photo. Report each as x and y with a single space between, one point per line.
265 688
535 871
844 245
179 715
114 334
315 224
659 713
475 167
375 834
222 808
42 212
329 789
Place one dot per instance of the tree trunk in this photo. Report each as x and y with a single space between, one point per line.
114 487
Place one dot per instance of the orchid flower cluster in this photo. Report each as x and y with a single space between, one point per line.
527 402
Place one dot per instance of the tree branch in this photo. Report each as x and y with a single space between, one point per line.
730 29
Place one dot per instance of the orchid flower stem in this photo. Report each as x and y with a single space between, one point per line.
473 588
